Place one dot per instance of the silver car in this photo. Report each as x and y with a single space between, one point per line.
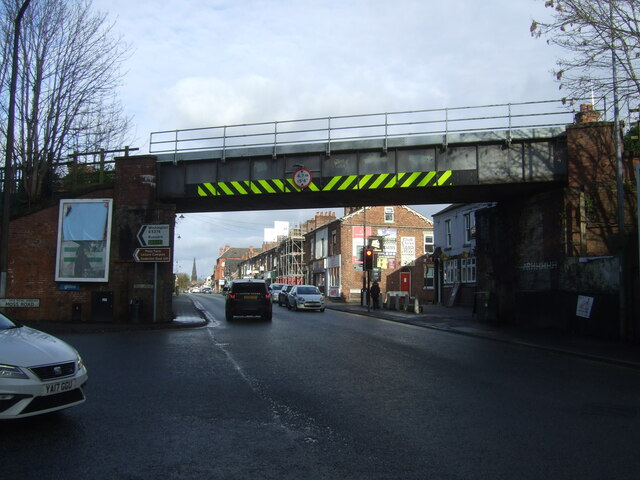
39 373
306 297
275 291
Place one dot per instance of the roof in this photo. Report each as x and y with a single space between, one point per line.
235 252
360 210
470 207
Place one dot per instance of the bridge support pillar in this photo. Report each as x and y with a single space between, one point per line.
136 205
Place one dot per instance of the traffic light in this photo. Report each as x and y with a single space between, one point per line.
368 258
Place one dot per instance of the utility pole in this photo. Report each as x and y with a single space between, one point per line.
619 186
8 170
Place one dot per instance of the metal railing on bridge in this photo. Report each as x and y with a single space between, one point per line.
442 121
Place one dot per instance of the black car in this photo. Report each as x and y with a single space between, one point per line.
283 296
248 297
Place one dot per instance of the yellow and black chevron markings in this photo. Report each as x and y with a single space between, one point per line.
338 183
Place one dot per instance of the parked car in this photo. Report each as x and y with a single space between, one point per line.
39 373
248 297
275 291
283 295
306 297
206 290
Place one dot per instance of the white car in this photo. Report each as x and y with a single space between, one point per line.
306 297
39 373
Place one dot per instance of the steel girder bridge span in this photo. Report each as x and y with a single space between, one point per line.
466 154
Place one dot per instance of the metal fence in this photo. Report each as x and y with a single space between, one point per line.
441 121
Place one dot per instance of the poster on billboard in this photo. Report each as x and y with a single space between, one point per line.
84 230
407 251
358 236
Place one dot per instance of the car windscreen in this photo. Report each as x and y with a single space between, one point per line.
249 288
308 290
5 323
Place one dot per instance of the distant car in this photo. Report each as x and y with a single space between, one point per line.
248 297
206 290
306 297
39 373
283 295
275 291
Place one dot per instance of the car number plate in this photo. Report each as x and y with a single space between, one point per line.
58 387
250 297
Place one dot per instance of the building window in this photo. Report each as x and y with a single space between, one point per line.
428 242
429 277
468 270
388 215
469 224
447 229
451 271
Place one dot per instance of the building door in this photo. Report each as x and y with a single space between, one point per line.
405 282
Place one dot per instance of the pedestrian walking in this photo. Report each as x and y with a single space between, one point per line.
375 295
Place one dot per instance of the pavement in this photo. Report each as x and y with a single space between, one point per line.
457 320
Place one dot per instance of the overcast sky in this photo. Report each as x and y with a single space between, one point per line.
199 63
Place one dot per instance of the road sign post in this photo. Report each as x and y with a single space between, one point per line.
161 255
153 235
153 239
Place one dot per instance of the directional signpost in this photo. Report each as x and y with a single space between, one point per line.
152 255
154 236
154 243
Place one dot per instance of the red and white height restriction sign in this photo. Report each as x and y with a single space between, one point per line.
302 177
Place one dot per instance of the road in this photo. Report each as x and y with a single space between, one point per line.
330 396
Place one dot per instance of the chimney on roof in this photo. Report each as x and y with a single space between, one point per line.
587 114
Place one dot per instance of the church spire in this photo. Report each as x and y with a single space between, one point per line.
194 275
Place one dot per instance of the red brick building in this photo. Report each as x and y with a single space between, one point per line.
400 235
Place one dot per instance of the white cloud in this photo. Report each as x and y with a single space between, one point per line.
200 63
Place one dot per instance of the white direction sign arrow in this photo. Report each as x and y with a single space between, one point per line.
154 236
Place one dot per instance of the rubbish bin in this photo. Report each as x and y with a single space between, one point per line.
135 310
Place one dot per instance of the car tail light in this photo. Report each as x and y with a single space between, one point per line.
268 295
232 295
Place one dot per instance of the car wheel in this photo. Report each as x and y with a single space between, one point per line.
229 316
267 316
322 309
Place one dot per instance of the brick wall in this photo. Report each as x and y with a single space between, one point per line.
32 255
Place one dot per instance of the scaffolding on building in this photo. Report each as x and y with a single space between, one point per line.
290 268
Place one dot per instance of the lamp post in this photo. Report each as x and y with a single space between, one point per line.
8 172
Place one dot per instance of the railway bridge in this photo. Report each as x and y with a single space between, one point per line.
417 157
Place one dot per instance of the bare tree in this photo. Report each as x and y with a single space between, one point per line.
593 32
68 78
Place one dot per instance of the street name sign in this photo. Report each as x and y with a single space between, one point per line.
154 236
19 302
152 255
